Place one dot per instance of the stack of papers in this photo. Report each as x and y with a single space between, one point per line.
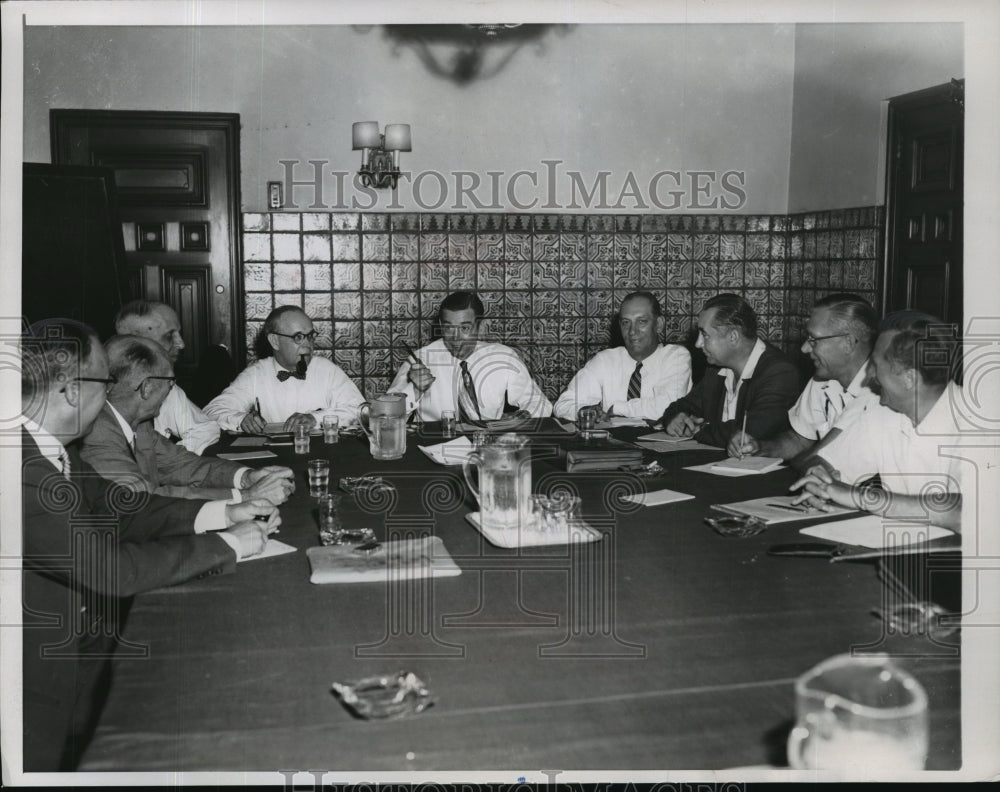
454 452
778 509
658 498
272 548
877 532
748 466
239 457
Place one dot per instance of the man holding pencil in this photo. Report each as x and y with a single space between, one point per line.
459 372
290 386
748 385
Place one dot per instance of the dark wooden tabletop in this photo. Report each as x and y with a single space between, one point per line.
664 646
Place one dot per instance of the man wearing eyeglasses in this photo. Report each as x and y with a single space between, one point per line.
459 372
290 386
124 447
179 417
89 544
839 337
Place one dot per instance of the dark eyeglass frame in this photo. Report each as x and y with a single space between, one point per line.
813 340
173 380
108 382
298 338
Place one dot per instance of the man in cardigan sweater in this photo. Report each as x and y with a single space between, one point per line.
746 377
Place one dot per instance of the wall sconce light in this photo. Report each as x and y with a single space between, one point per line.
380 152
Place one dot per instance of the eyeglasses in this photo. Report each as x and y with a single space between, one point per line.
813 340
298 338
171 380
108 382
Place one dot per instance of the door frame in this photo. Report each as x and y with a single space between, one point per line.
62 120
953 91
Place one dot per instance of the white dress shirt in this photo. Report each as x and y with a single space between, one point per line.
211 516
826 404
666 376
497 372
326 390
181 417
732 387
909 459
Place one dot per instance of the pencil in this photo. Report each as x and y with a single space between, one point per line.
743 433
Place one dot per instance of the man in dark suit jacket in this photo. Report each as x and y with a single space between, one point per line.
87 543
123 445
745 377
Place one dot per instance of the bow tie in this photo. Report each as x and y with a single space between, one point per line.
283 375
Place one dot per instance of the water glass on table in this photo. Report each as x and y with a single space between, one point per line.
331 429
330 526
587 418
448 423
300 437
319 477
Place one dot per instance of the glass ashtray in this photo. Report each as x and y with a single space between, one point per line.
385 697
346 536
554 512
355 483
652 470
739 526
920 618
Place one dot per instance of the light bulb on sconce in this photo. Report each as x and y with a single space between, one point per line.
380 152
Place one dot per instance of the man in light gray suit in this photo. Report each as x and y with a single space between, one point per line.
124 447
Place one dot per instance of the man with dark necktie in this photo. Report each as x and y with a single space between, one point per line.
474 378
90 544
124 447
290 386
637 380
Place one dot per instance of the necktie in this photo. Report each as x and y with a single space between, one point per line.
470 390
283 375
635 382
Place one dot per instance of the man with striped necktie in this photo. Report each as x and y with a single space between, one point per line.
637 380
839 337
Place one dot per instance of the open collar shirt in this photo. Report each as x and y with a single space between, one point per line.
180 417
826 404
733 386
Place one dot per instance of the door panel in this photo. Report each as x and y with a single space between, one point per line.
925 202
177 178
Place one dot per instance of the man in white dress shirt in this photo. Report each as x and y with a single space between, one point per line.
289 387
637 380
911 439
179 416
839 337
458 372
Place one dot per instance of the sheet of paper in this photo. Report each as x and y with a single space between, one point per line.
751 464
661 437
239 457
684 445
711 467
274 547
454 452
875 532
249 440
776 509
659 497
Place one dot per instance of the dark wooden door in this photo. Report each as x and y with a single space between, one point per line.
177 178
72 256
924 202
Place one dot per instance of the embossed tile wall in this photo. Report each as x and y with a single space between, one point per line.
550 283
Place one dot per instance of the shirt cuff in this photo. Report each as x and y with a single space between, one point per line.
238 478
232 541
211 517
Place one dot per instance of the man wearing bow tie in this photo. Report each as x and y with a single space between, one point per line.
290 386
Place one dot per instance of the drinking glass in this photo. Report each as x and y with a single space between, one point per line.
331 429
859 714
301 439
330 526
319 477
447 423
587 418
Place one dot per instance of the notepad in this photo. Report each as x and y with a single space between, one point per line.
777 509
658 498
279 429
662 437
273 547
667 448
249 440
454 452
876 532
748 466
239 457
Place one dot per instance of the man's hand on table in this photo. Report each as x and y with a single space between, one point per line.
252 535
251 510
743 445
252 423
300 419
683 425
820 489
275 483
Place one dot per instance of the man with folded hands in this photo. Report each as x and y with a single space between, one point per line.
459 372
839 337
124 447
912 438
637 380
89 544
745 378
290 386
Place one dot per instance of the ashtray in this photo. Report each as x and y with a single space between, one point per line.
594 434
347 536
555 512
385 696
355 483
739 526
652 470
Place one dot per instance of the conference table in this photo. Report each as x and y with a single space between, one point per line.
662 646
